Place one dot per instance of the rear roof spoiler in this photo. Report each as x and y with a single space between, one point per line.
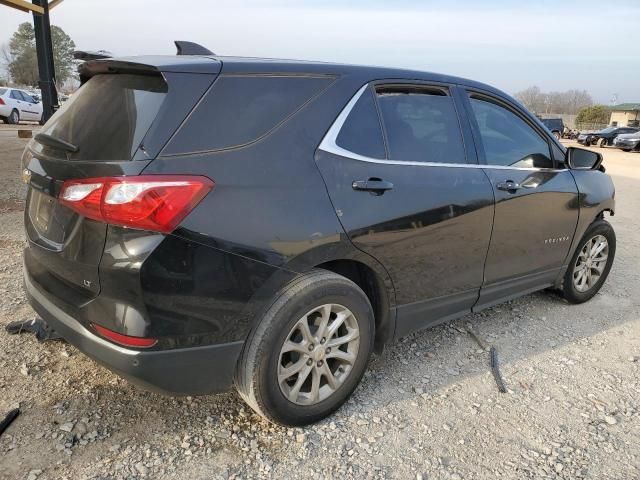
91 54
191 48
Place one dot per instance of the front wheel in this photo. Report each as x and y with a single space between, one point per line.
309 351
591 263
603 142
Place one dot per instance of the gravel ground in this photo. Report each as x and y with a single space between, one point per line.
427 408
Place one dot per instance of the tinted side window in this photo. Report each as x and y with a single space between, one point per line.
361 132
16 95
240 109
28 98
421 126
507 139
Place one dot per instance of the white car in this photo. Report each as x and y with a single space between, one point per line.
17 105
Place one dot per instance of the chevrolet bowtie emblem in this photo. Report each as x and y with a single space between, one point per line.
26 175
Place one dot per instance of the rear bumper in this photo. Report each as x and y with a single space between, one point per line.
188 371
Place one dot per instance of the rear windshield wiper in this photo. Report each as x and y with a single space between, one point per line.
49 141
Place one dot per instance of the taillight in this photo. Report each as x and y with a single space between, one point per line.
148 202
125 340
2 101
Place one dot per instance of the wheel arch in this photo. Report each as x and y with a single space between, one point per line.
375 288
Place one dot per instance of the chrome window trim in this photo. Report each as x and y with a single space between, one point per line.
329 145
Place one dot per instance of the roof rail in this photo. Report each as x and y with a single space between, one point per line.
191 48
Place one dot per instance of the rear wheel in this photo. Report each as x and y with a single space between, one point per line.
309 351
591 263
14 117
626 149
603 142
557 135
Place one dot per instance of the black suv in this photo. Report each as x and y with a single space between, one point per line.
199 222
555 126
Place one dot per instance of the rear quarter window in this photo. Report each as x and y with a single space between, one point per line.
3 91
240 109
361 132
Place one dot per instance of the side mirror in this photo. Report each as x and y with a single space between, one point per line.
582 159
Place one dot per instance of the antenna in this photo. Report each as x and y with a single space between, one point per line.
191 48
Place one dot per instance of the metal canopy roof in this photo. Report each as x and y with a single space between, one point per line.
27 7
626 107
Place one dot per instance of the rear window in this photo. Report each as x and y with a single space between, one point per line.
107 118
421 125
3 91
240 109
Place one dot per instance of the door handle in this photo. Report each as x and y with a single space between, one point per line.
508 185
374 185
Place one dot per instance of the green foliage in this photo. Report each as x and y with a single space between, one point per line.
596 114
23 64
23 61
63 48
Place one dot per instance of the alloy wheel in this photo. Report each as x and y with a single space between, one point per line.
590 263
318 354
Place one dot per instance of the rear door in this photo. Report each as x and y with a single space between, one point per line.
30 107
537 203
114 121
406 194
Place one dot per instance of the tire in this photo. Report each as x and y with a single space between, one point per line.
626 149
264 357
14 117
603 143
572 292
557 135
41 121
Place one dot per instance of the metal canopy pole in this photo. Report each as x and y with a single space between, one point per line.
46 70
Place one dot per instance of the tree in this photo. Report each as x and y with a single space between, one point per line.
568 102
21 56
532 98
22 61
596 114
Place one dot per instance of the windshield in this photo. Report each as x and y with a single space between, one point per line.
107 118
608 129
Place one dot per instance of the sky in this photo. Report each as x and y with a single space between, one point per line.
556 45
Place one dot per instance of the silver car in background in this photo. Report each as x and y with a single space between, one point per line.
17 105
628 142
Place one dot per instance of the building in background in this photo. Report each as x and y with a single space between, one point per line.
625 115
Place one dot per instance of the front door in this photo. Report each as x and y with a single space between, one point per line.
536 209
405 194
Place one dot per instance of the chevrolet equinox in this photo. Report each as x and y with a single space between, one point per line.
198 222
